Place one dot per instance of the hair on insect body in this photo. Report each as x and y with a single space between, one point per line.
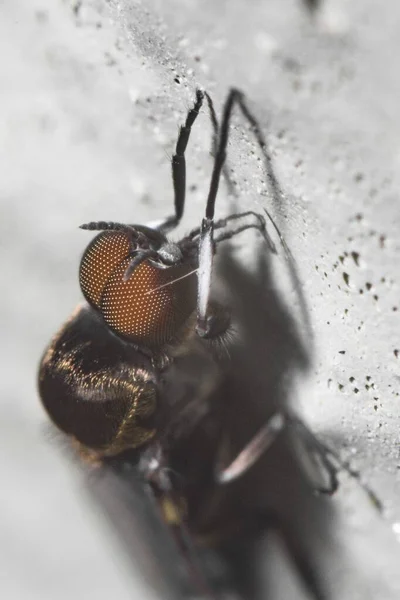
121 378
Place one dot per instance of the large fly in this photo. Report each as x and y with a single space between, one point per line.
137 375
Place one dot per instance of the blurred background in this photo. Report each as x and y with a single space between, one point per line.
92 95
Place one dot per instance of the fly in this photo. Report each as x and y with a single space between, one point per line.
136 375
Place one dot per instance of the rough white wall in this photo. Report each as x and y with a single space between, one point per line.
91 97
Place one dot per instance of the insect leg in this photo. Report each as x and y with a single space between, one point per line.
253 450
179 165
331 461
261 226
206 243
227 235
319 453
220 152
152 466
215 125
262 143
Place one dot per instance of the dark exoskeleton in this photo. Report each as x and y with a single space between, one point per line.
134 376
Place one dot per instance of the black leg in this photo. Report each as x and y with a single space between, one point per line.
220 152
226 235
214 123
262 143
179 165
328 458
332 462
235 97
274 190
206 243
215 126
223 222
153 465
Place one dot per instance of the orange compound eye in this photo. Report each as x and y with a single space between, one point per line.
100 260
145 309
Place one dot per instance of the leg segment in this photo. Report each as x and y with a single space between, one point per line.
221 223
331 461
179 165
326 458
250 454
153 465
206 242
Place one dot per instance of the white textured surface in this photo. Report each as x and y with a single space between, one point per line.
89 112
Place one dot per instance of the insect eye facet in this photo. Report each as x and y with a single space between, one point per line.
99 261
152 305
